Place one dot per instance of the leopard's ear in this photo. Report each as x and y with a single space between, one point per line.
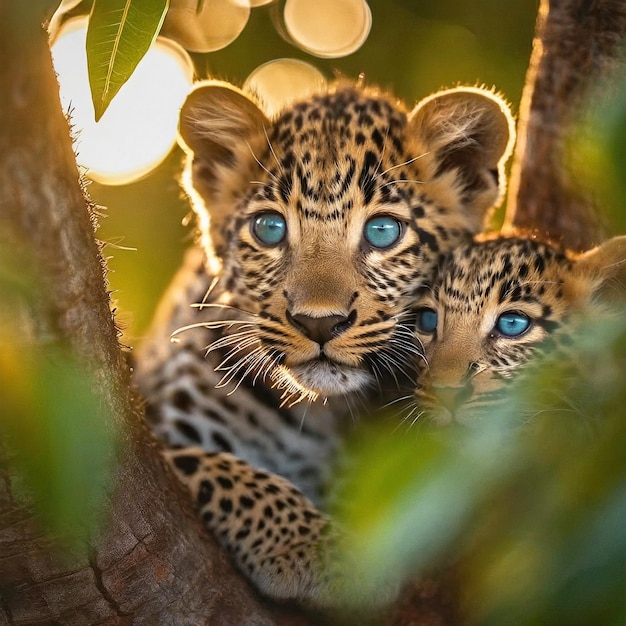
604 269
215 118
218 128
469 134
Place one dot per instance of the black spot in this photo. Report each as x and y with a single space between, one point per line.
187 464
205 493
188 430
539 263
428 239
523 270
551 326
284 188
377 138
183 401
256 543
221 442
516 294
505 287
418 211
225 483
226 504
242 534
245 502
366 177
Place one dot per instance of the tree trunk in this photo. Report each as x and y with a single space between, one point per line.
152 564
576 44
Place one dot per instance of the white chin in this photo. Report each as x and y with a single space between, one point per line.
329 379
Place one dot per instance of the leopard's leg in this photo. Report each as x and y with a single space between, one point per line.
288 548
273 532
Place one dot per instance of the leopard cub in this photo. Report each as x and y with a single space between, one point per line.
316 229
494 306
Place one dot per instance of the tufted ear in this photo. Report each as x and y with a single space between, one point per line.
604 269
216 118
217 127
470 134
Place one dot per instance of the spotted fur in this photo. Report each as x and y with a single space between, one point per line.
289 335
470 355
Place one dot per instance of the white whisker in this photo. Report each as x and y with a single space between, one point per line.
270 174
219 305
400 180
216 279
407 162
246 330
269 143
211 325
243 364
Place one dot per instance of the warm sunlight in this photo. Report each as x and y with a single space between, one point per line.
282 81
207 26
139 128
328 28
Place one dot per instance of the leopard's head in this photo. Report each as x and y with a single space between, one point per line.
323 222
497 305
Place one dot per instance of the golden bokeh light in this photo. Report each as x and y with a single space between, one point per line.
327 28
217 23
277 83
138 129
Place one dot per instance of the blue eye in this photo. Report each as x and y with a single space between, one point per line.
269 228
382 231
427 320
513 324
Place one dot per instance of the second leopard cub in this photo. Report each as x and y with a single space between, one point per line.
493 307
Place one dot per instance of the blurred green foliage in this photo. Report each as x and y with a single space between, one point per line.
528 506
53 423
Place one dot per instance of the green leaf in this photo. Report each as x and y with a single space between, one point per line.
120 33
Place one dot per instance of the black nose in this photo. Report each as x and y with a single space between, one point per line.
321 329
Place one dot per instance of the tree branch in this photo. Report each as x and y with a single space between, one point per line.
577 43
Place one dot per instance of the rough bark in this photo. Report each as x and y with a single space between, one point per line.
577 43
